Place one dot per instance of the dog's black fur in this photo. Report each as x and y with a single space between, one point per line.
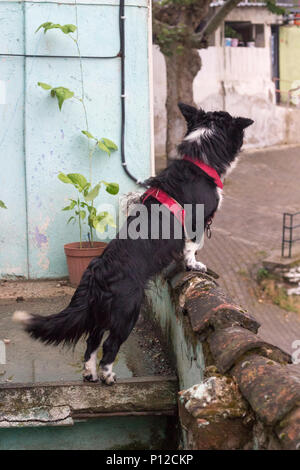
111 290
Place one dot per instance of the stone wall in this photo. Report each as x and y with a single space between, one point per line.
247 395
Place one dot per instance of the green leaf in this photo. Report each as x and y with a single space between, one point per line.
45 86
102 220
82 214
66 28
111 188
93 193
86 189
92 211
70 207
109 144
273 8
71 218
89 135
103 147
46 26
64 178
61 94
2 205
78 180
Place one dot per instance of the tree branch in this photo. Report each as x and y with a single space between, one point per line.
214 22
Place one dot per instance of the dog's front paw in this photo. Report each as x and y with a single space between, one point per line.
108 378
87 377
197 266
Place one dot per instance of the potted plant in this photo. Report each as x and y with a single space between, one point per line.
251 43
232 37
80 253
228 37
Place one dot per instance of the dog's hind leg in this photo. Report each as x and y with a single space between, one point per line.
112 344
189 252
90 356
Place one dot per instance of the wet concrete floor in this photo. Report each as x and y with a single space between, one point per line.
28 360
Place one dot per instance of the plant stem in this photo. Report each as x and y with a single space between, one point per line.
82 100
79 221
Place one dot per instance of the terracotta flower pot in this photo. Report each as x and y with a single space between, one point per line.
79 258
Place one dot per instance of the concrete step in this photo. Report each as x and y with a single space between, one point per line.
54 403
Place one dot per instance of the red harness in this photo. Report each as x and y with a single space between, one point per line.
167 201
171 203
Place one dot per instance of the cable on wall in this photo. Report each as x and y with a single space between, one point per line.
123 96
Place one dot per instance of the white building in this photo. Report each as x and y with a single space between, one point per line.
243 80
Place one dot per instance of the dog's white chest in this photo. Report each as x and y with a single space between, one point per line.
220 196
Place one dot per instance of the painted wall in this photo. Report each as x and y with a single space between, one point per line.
37 141
161 306
239 81
113 433
289 63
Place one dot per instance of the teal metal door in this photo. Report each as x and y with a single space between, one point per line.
37 141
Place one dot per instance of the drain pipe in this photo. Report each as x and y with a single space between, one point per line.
123 96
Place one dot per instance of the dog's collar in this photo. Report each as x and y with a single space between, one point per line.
207 169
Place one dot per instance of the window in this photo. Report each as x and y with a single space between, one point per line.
244 34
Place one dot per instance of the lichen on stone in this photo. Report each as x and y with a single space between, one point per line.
215 397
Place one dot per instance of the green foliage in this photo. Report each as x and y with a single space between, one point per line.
263 273
60 92
104 144
273 8
83 205
167 37
2 205
45 86
66 28
173 38
231 33
111 188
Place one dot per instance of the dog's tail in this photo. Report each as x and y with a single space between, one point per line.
71 323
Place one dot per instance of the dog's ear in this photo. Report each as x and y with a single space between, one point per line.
188 112
242 123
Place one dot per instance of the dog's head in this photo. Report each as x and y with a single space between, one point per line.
213 137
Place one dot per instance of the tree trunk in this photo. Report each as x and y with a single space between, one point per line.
181 71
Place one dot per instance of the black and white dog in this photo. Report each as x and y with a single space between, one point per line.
111 290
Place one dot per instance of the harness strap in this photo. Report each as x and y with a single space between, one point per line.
167 201
173 205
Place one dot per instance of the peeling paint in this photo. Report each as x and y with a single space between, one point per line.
40 238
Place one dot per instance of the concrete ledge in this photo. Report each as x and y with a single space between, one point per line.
275 260
245 396
60 403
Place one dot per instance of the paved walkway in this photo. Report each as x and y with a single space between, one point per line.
264 185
